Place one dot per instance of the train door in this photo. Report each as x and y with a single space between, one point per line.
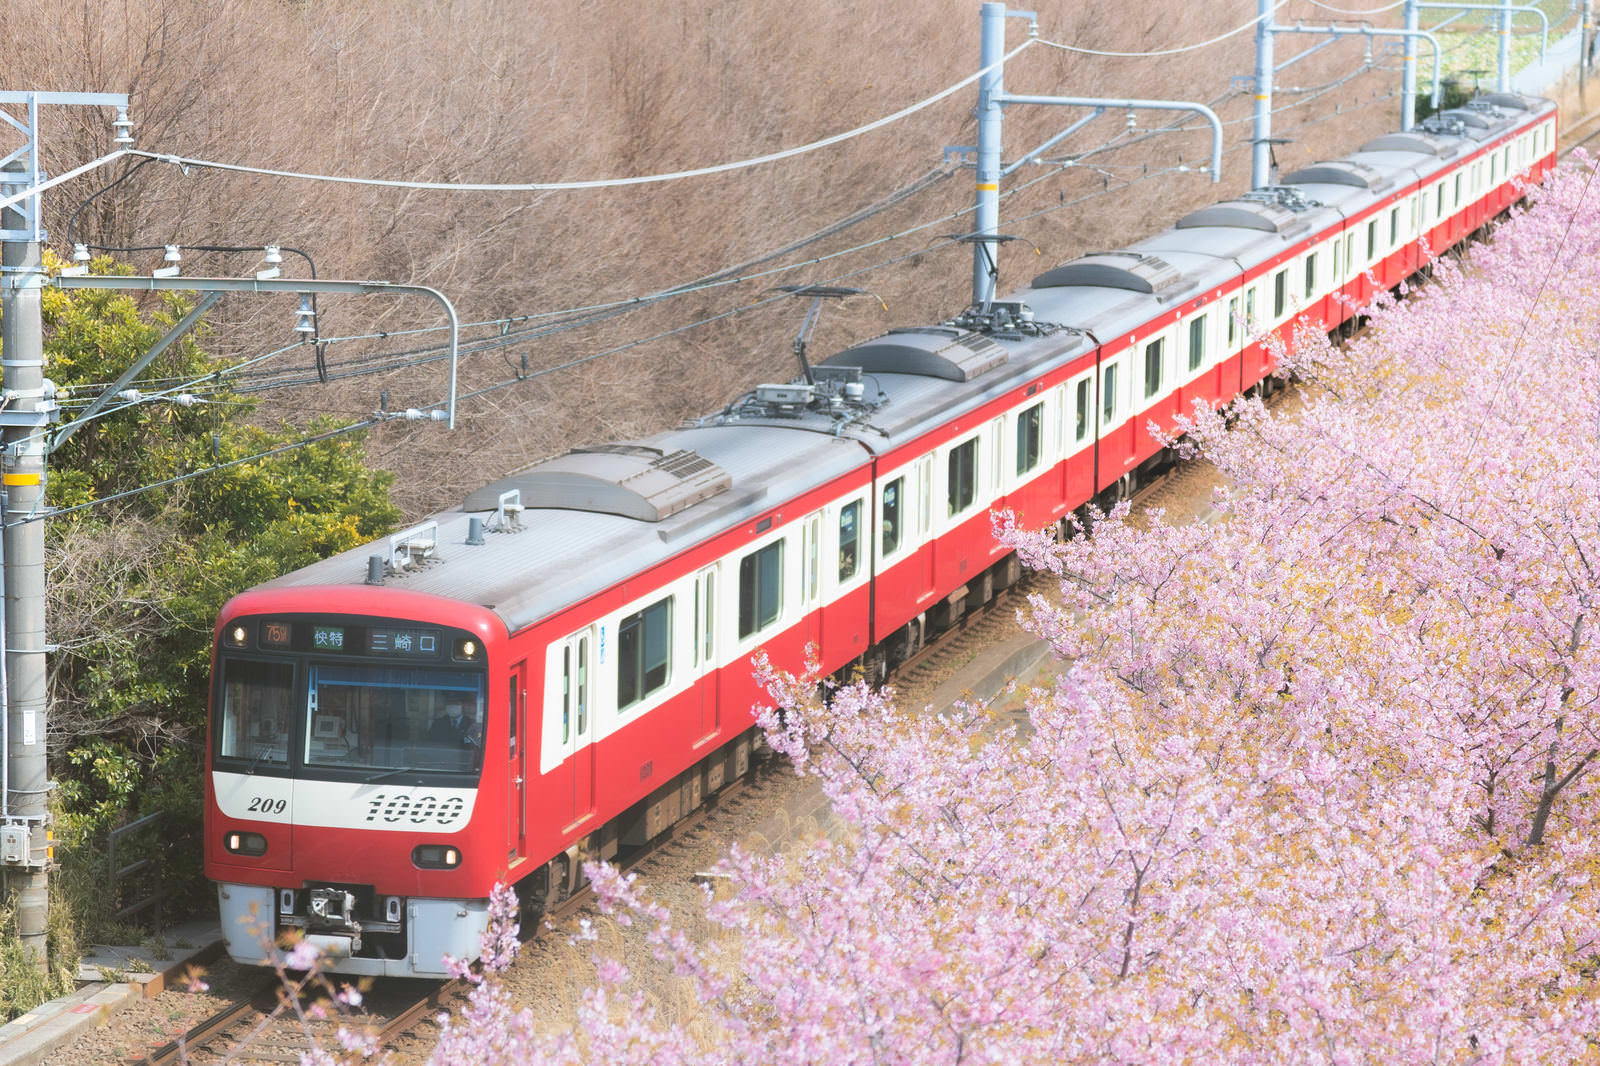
925 523
517 717
577 719
705 648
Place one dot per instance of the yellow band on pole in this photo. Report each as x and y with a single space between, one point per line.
21 479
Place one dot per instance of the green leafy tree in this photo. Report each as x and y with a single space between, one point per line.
136 583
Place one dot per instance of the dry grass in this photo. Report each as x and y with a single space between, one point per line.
501 90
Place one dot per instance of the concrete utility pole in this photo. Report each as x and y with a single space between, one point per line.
26 410
992 99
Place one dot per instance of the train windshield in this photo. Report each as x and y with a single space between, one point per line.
394 718
256 712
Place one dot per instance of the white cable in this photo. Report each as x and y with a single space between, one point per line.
1359 11
1166 51
601 183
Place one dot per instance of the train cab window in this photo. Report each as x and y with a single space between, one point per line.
1197 341
644 653
1152 368
1438 201
1350 251
1372 239
1081 429
1394 226
1233 323
1337 275
1108 395
1458 191
394 718
255 717
1280 293
849 539
962 483
893 511
1311 275
1250 310
1030 437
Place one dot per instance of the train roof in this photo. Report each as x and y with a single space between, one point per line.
564 528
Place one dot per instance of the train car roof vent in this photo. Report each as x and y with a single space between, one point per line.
629 480
1267 214
1419 141
1133 271
947 352
1337 172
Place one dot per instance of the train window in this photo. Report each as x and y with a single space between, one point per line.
254 719
962 484
1394 226
1030 437
1250 310
893 506
1197 341
760 588
1311 275
1350 251
1458 191
511 702
644 652
583 686
1372 239
1233 322
1108 395
1280 293
1438 200
394 718
1337 276
1152 368
849 539
566 695
1082 427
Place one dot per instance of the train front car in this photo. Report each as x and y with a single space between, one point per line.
346 770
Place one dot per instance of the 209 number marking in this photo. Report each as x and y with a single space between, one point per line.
267 805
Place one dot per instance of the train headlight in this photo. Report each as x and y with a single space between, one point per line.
245 843
436 856
236 635
468 650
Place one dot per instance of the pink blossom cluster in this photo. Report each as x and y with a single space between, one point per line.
1315 784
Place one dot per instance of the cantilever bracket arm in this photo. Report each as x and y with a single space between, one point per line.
187 323
1133 105
1370 31
298 285
1512 9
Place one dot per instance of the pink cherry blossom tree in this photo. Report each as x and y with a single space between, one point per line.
1315 784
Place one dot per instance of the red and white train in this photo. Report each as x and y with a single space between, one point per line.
561 667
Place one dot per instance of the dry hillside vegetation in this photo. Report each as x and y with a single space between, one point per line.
506 91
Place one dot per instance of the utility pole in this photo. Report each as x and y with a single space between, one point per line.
992 100
25 413
1408 72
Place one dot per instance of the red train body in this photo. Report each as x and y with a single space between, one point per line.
562 666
